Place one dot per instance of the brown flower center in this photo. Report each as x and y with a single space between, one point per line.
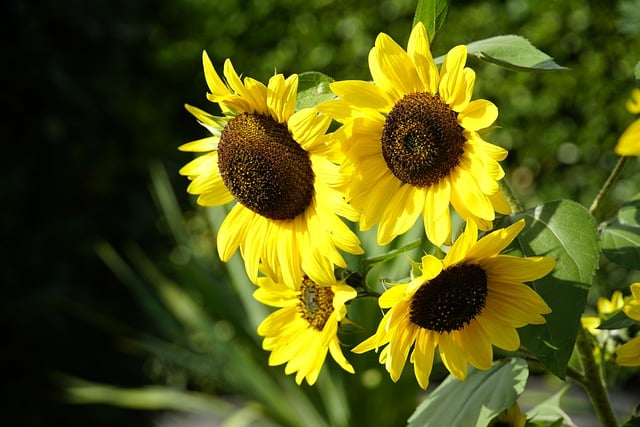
316 303
422 141
264 168
451 300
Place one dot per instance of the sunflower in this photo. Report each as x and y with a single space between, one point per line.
605 308
305 327
510 417
473 298
276 164
629 142
629 353
412 142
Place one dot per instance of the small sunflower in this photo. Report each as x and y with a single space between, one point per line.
629 142
276 164
605 307
473 298
412 142
510 417
305 327
629 353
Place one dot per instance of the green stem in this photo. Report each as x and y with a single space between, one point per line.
592 380
513 201
606 187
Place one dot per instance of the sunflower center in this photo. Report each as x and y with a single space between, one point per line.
421 139
316 303
264 168
451 300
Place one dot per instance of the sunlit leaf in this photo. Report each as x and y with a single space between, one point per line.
621 235
637 73
514 52
617 321
313 88
566 231
433 14
549 411
476 400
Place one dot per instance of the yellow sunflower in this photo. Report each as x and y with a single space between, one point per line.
510 417
629 142
605 308
276 164
306 326
473 298
629 353
412 143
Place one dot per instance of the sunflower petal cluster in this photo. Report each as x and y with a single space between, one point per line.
412 142
462 305
408 144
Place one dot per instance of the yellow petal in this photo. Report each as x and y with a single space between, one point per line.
215 83
452 357
629 142
453 83
496 241
362 94
478 114
462 245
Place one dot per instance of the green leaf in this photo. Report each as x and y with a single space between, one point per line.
632 422
476 400
637 73
566 231
621 235
549 411
513 52
147 398
433 14
617 321
313 88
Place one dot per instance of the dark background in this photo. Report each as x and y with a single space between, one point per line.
93 93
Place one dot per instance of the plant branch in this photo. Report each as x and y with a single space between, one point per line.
606 187
513 201
592 380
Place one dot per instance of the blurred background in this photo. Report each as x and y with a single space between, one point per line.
95 214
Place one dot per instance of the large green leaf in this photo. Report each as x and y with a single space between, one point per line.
621 235
313 88
566 231
433 14
514 52
476 400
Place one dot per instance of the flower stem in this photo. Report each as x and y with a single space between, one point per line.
592 380
606 187
513 201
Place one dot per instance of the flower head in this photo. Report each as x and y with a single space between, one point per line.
473 298
305 327
629 142
276 164
629 353
412 143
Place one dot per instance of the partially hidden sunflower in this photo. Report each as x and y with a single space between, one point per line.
412 142
628 354
629 142
305 327
276 163
472 299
